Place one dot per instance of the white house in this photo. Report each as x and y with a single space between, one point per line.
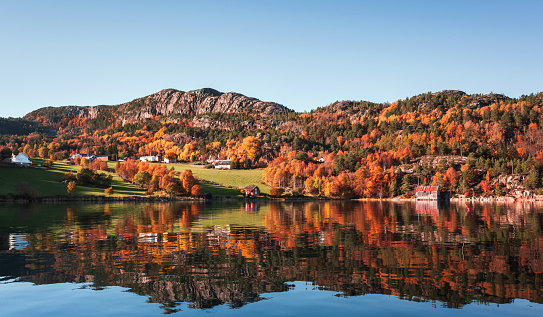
20 159
172 160
150 158
227 165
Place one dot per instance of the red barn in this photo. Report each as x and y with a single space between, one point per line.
251 191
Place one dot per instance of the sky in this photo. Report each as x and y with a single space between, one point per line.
301 54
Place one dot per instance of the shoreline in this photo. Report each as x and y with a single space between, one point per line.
102 198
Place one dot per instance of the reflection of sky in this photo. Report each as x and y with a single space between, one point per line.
26 299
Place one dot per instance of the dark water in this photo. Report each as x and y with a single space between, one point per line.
281 259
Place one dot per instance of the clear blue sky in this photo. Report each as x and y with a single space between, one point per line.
302 54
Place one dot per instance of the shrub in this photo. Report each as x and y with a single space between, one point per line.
142 178
88 177
173 189
108 191
72 187
276 191
197 191
69 176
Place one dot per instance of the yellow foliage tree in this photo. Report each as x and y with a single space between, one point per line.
72 187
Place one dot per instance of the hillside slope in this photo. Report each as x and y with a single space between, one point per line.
168 103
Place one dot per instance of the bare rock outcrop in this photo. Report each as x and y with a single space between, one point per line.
167 102
195 102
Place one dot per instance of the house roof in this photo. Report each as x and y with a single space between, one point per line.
427 188
250 188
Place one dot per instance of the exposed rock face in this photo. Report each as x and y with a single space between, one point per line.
195 102
165 102
434 161
486 100
59 116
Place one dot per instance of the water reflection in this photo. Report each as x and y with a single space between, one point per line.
211 255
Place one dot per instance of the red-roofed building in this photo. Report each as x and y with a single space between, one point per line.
252 191
428 193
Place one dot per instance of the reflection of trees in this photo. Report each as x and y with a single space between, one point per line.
492 254
452 256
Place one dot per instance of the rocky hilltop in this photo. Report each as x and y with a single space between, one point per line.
195 102
163 103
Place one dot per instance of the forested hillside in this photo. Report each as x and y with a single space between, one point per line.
467 144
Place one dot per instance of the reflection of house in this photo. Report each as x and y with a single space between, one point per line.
151 237
251 191
227 165
18 241
252 207
427 207
20 159
428 193
150 158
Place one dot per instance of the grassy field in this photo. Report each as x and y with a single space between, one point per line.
46 181
233 178
220 183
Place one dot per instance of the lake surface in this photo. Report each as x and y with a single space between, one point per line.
271 259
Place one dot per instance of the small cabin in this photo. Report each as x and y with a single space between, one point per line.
103 158
251 191
226 165
428 193
170 160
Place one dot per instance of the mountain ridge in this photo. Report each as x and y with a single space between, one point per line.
209 108
163 103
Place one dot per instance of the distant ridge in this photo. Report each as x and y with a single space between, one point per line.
162 103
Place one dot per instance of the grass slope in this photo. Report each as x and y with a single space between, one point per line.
47 181
233 178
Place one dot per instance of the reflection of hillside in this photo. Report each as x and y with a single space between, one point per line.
491 254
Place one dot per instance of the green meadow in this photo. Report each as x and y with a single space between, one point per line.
226 178
47 181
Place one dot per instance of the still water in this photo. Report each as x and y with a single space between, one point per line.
271 259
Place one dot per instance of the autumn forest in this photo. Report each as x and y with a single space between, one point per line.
470 145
